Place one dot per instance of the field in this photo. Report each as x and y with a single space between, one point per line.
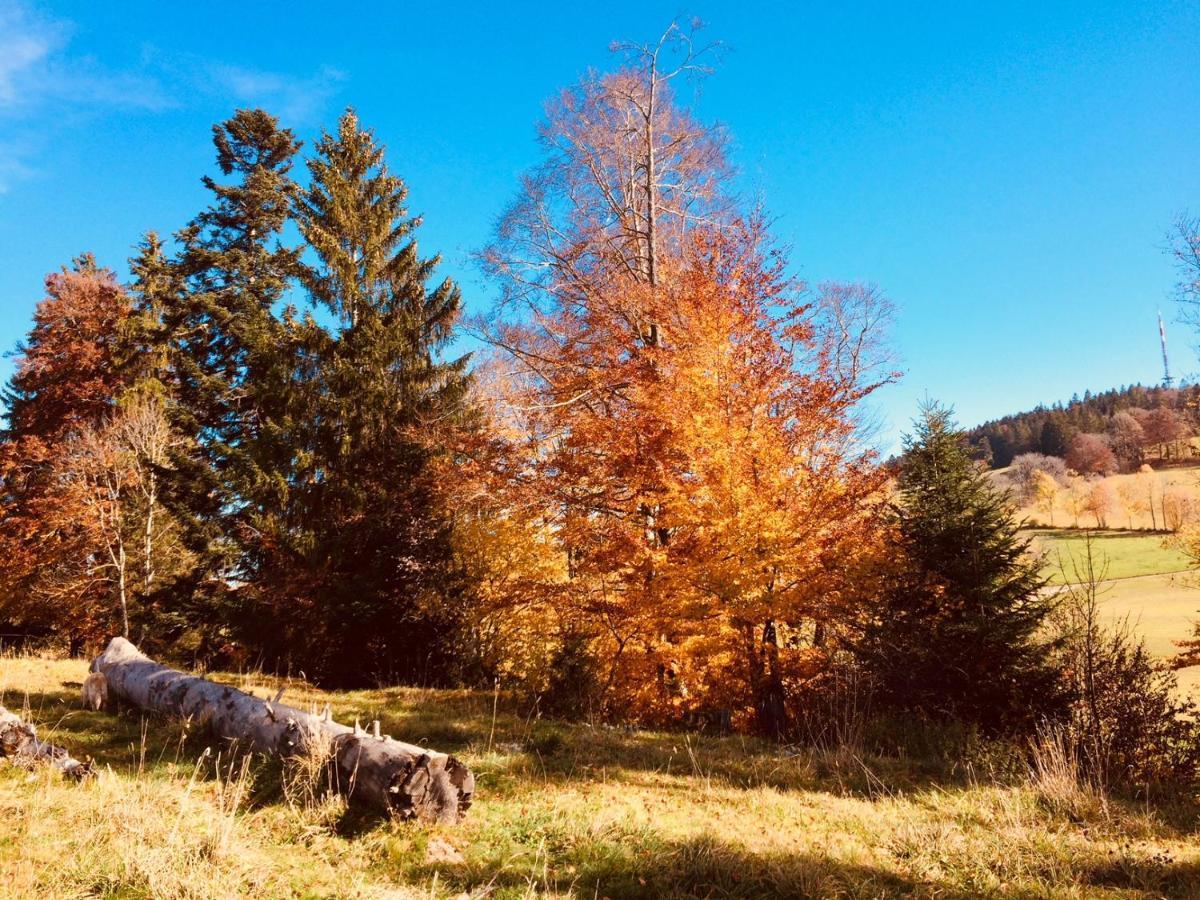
565 811
1118 555
1148 584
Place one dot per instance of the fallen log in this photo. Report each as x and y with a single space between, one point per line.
371 769
20 743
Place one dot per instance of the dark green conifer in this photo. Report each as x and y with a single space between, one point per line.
232 354
957 634
380 530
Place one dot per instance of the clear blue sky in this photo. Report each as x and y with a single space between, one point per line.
1006 172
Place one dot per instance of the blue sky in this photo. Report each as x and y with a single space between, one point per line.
1006 172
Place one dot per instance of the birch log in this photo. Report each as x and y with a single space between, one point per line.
373 770
19 742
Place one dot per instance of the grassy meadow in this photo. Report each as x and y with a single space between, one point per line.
562 811
1148 584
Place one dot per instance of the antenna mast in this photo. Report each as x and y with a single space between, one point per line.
1162 337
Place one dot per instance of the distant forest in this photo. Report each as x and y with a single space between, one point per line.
1164 416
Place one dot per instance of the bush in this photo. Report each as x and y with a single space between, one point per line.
1126 727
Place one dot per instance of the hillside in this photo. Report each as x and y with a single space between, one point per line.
563 811
1049 429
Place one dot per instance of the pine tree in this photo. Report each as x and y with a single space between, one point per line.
232 354
380 530
957 633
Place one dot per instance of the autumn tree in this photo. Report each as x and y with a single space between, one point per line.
1126 439
1090 454
1100 502
1132 499
627 172
67 373
1023 473
1076 497
1147 481
1177 510
1164 428
1185 248
96 472
689 409
1046 490
958 632
66 381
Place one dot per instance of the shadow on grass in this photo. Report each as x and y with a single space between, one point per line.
628 864
1157 875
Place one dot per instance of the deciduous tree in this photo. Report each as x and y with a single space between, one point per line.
1090 454
65 385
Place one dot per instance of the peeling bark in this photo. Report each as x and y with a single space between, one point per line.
373 770
20 743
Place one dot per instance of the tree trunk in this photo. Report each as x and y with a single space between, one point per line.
19 742
772 703
371 769
148 539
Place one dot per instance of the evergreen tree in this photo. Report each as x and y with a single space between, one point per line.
956 633
1053 441
157 288
379 542
232 357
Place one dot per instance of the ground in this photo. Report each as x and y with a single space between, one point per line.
562 810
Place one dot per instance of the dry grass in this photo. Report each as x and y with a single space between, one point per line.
562 811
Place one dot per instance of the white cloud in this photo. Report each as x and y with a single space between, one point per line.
297 100
24 43
47 86
12 165
37 70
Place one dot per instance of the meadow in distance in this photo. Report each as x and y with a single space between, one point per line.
634 558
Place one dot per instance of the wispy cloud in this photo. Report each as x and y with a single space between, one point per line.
297 100
37 69
24 43
13 166
46 84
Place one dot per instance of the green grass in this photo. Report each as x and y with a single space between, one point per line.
1121 554
562 810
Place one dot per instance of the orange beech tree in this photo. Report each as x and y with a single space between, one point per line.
688 411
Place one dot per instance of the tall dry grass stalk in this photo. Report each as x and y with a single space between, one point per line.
1060 781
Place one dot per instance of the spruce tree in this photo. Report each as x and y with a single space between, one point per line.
380 532
232 356
157 288
957 632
